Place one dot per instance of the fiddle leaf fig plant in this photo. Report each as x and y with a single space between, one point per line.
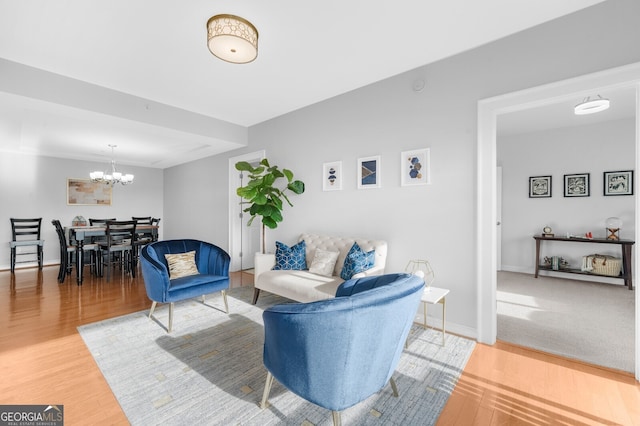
265 192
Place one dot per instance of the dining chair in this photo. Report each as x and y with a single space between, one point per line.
144 236
118 247
98 222
25 233
68 250
156 222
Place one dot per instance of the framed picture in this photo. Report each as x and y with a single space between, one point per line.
618 183
415 167
540 187
83 192
576 185
332 176
369 172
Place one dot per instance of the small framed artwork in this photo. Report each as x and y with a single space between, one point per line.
540 187
618 183
415 167
576 185
84 192
332 176
369 175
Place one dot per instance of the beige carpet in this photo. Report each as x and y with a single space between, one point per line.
592 322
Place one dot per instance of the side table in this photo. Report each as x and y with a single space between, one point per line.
432 296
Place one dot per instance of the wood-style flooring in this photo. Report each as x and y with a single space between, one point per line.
43 360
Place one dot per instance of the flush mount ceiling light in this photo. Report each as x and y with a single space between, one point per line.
590 106
232 39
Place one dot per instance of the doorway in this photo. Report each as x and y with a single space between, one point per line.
244 241
488 111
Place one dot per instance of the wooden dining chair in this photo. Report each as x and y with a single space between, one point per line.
25 233
69 250
118 247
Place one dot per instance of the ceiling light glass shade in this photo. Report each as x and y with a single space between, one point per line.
232 39
111 177
589 106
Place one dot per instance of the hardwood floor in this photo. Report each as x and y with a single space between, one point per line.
43 360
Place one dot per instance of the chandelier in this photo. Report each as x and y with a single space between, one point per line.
232 39
111 177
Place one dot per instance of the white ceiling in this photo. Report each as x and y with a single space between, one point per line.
156 50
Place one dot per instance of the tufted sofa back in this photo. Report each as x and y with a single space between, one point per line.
342 245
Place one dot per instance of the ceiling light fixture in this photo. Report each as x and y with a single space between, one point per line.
111 177
589 106
232 39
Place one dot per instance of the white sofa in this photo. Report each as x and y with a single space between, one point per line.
304 286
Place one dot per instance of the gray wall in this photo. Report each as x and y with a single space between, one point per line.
437 221
590 149
33 186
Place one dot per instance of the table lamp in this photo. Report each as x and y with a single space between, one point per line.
421 268
613 225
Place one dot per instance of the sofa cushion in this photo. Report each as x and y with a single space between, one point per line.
323 262
357 261
290 258
181 264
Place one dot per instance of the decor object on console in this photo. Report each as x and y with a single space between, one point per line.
363 329
540 187
211 262
232 39
602 264
315 284
422 268
618 183
264 197
591 106
576 185
547 231
613 225
111 177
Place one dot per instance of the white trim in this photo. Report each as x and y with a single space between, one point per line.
235 237
488 110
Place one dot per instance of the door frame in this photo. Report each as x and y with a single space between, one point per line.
235 233
486 244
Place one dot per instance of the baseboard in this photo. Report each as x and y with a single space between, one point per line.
451 327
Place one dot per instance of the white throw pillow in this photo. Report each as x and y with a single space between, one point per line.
323 262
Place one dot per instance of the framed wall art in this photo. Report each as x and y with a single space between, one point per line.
576 185
618 183
415 167
369 175
84 192
540 187
332 176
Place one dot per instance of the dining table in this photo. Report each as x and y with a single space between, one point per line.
79 233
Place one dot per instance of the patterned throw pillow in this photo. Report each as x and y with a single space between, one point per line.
291 258
182 264
357 261
323 262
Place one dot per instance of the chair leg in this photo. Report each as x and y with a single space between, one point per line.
13 259
153 308
40 257
170 317
256 293
267 389
394 387
337 421
224 297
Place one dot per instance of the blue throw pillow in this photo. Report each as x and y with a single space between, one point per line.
357 261
291 258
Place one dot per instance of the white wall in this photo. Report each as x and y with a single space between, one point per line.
437 222
590 149
33 186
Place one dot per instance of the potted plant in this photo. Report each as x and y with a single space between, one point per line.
265 192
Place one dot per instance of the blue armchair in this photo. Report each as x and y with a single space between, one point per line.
212 273
320 350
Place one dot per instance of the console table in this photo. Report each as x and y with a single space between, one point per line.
626 256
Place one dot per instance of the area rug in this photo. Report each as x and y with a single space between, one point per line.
209 369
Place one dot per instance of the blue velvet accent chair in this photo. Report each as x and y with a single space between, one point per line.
336 353
213 273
